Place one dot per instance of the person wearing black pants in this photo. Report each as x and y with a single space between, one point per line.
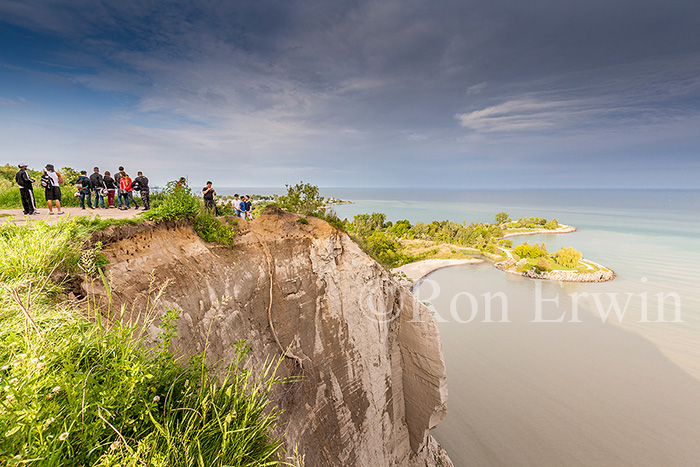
208 193
26 192
141 183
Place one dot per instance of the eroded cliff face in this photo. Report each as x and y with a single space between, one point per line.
370 355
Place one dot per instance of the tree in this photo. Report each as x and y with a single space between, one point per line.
364 224
551 225
302 198
568 257
502 218
530 251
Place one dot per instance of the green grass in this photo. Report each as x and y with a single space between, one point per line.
77 389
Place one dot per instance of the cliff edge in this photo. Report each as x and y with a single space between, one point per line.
369 354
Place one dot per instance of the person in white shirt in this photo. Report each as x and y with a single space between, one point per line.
237 206
53 192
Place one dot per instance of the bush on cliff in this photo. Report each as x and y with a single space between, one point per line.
303 198
75 390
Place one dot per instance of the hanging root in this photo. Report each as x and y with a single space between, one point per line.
286 352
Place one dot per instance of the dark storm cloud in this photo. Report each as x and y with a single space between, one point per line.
380 81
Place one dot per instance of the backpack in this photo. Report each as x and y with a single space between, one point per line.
46 181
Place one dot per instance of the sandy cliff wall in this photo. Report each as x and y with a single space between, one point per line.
373 374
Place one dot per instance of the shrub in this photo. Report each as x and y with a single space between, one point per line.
502 218
175 202
543 265
302 198
212 229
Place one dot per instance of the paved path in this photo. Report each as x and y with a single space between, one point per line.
20 218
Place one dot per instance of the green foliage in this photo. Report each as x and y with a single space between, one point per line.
9 192
302 198
75 393
364 224
401 229
531 222
568 257
530 251
176 201
551 225
212 229
502 218
385 250
31 253
332 218
506 242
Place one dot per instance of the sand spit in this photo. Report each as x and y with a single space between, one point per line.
414 272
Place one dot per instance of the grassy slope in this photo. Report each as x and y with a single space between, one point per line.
77 391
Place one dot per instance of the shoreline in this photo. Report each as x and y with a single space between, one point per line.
412 273
418 270
559 230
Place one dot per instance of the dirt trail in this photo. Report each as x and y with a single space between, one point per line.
20 218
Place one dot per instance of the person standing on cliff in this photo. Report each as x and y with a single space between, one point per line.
26 192
126 190
98 185
51 181
142 183
237 205
117 176
111 186
208 193
248 208
84 186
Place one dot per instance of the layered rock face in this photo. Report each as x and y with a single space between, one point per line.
369 355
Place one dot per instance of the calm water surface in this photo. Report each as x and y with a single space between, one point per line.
625 383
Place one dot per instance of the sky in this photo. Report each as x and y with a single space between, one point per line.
355 93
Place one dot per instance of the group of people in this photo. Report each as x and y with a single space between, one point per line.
102 186
107 186
242 205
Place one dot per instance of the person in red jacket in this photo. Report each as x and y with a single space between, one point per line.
126 190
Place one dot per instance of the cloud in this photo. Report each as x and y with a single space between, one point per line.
518 115
342 85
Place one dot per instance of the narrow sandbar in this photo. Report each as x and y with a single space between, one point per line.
418 270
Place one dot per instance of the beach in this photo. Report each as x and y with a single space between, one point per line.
417 270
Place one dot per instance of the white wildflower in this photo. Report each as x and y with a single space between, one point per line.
40 365
156 399
63 436
114 446
13 381
49 421
56 389
34 360
10 397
